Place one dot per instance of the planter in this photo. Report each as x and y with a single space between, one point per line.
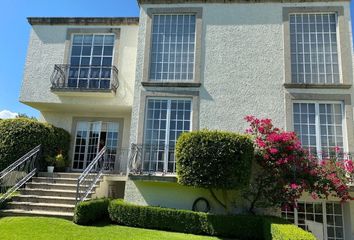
50 169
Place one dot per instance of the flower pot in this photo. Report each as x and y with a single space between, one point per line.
50 169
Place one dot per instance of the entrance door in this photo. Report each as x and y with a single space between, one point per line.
89 140
87 143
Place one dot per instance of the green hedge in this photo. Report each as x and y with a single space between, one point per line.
20 135
89 212
231 226
279 229
214 159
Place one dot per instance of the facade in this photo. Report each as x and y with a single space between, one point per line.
188 65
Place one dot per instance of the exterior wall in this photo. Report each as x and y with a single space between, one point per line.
242 72
242 63
48 46
170 195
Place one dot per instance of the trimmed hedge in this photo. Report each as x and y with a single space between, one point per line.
231 226
214 159
279 229
20 135
88 212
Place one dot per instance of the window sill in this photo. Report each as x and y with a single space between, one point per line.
171 84
317 86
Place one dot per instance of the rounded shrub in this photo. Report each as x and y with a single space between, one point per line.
214 159
20 135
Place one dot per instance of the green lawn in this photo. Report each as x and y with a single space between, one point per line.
38 228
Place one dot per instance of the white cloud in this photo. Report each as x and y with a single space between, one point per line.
4 114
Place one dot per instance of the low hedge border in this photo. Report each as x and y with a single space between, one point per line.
232 226
89 212
279 229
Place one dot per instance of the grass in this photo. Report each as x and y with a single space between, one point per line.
16 228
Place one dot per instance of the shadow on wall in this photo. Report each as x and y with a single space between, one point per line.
173 195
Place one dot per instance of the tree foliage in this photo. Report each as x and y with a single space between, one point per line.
286 170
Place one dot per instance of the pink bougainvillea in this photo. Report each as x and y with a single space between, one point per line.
287 170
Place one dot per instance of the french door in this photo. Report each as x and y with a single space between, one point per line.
90 137
165 120
324 219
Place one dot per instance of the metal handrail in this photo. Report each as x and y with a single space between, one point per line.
144 157
18 173
90 176
62 72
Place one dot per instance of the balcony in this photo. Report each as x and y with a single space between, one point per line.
70 79
153 160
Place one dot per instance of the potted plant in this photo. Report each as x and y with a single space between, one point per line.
50 163
60 162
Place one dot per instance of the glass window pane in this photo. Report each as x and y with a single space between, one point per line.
173 37
313 43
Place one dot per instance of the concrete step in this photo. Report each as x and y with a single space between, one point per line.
54 180
44 199
20 212
59 175
55 186
49 207
50 192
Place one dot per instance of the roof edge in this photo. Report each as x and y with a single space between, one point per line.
230 1
112 21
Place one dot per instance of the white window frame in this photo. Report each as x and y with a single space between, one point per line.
194 52
168 119
91 54
318 130
324 215
338 46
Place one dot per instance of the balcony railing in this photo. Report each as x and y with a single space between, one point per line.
152 159
84 78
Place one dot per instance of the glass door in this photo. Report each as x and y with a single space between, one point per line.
90 138
87 143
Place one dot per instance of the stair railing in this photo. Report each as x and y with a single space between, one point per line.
89 177
18 173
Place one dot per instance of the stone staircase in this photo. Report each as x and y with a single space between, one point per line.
46 195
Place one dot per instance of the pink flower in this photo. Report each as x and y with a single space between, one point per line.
314 195
260 143
273 151
294 186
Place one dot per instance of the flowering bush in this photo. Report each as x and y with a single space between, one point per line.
286 170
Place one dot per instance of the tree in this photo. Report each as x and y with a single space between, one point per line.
214 160
285 170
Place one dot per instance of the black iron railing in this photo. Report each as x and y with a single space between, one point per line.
81 78
18 173
152 159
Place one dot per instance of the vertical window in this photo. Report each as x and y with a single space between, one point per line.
314 48
91 61
173 47
166 119
319 126
324 220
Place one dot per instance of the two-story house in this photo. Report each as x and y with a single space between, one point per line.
188 65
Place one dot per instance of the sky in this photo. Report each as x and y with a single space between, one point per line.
15 35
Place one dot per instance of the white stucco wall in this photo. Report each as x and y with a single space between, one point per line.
242 73
47 47
242 63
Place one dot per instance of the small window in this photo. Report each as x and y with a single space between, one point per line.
314 48
173 47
